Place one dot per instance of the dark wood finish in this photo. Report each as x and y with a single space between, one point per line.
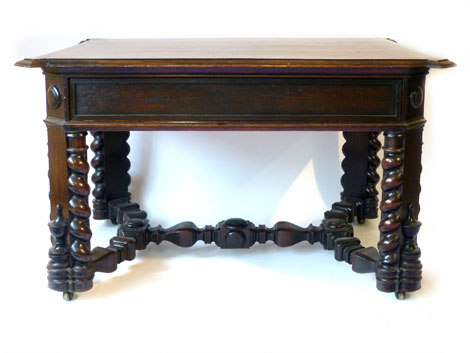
79 226
354 165
57 154
117 165
335 233
371 201
57 91
412 170
413 101
58 268
358 86
399 267
231 124
410 263
111 177
360 174
245 99
391 208
100 206
120 249
219 53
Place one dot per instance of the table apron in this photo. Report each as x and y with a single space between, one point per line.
237 100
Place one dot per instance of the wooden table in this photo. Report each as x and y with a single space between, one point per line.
111 87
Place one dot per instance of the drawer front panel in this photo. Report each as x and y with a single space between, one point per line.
247 99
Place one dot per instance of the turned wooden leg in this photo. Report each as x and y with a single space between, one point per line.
399 267
410 263
358 200
359 195
58 268
111 177
79 226
100 206
371 201
70 269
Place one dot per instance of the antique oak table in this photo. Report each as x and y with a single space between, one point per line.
111 87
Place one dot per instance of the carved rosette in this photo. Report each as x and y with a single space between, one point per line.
100 210
79 227
373 162
391 207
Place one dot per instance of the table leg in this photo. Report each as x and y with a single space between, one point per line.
360 163
72 263
399 267
70 269
111 177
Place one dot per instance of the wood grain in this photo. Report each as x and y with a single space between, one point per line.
286 52
358 86
245 98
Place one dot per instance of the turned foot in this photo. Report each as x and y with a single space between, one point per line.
400 295
68 296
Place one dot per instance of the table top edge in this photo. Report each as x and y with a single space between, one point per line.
215 64
237 52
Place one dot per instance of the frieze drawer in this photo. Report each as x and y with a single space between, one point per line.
255 99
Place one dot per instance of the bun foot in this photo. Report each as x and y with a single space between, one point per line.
361 220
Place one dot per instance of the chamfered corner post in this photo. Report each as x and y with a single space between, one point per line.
70 268
58 268
399 267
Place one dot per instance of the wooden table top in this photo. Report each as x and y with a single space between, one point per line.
255 52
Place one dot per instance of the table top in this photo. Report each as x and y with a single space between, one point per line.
238 52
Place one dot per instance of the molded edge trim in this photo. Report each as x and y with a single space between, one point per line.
113 125
240 64
28 63
441 64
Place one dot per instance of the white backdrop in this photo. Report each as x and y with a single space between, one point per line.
204 299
